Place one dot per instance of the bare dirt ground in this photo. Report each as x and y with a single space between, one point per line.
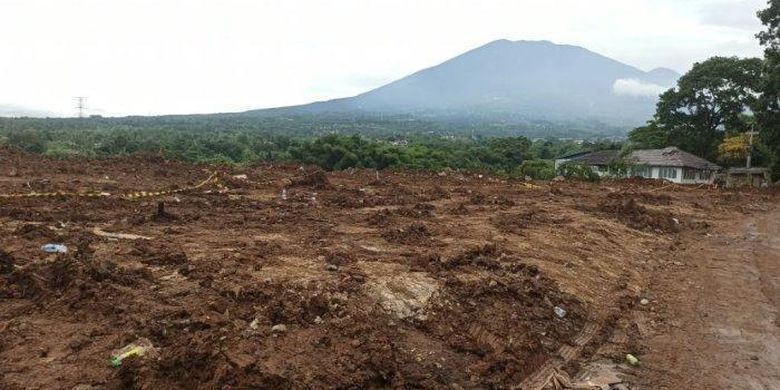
718 324
359 280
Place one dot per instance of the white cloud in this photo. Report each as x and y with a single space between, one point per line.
196 56
634 87
733 14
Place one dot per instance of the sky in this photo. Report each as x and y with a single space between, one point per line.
149 57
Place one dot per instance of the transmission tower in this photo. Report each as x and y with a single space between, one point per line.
81 105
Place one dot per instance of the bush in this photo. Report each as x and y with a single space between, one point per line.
578 171
537 169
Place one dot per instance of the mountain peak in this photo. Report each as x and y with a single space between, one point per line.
517 79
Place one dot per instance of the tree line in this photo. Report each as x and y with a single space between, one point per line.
716 103
517 156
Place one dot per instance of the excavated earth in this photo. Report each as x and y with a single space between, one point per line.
289 277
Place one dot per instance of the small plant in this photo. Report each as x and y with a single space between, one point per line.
578 171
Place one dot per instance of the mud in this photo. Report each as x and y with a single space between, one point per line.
413 280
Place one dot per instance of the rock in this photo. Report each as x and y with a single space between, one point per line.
279 328
559 178
644 301
403 295
318 320
331 267
254 324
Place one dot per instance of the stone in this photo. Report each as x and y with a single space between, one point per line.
279 328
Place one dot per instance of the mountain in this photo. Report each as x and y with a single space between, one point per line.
525 80
13 110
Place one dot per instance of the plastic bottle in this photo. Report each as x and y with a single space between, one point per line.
136 348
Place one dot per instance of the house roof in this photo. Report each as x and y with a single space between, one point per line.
671 157
572 155
666 157
599 157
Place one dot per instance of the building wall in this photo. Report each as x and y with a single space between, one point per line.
654 172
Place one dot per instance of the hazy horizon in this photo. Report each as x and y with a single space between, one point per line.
179 57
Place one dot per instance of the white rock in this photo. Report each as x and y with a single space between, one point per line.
279 328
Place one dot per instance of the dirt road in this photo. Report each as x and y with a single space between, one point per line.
717 322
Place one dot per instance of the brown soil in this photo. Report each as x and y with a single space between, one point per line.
413 281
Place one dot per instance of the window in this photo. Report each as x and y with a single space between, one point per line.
690 173
642 171
667 173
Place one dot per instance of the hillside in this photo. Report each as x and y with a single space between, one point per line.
529 80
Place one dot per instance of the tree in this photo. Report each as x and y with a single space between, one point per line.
768 108
651 136
733 148
711 98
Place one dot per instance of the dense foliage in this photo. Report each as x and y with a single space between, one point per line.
708 102
768 110
719 100
505 155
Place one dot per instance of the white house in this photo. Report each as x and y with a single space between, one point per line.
670 164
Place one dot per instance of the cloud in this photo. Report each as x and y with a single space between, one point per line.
734 14
634 87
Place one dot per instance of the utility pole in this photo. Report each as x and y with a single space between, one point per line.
81 105
750 135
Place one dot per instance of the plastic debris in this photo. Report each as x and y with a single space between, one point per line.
559 311
54 248
136 348
631 359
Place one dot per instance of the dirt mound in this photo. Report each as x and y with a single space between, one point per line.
637 216
412 234
314 178
159 252
642 196
496 200
379 218
35 232
420 210
518 222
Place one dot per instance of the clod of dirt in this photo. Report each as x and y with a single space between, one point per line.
6 262
644 197
159 253
516 223
412 234
498 200
637 216
420 210
483 257
33 232
315 178
379 218
460 209
339 258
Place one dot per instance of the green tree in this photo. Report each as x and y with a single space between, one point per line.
768 110
711 98
651 136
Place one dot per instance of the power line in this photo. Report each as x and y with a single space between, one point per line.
81 105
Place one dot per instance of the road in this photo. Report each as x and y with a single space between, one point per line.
716 317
